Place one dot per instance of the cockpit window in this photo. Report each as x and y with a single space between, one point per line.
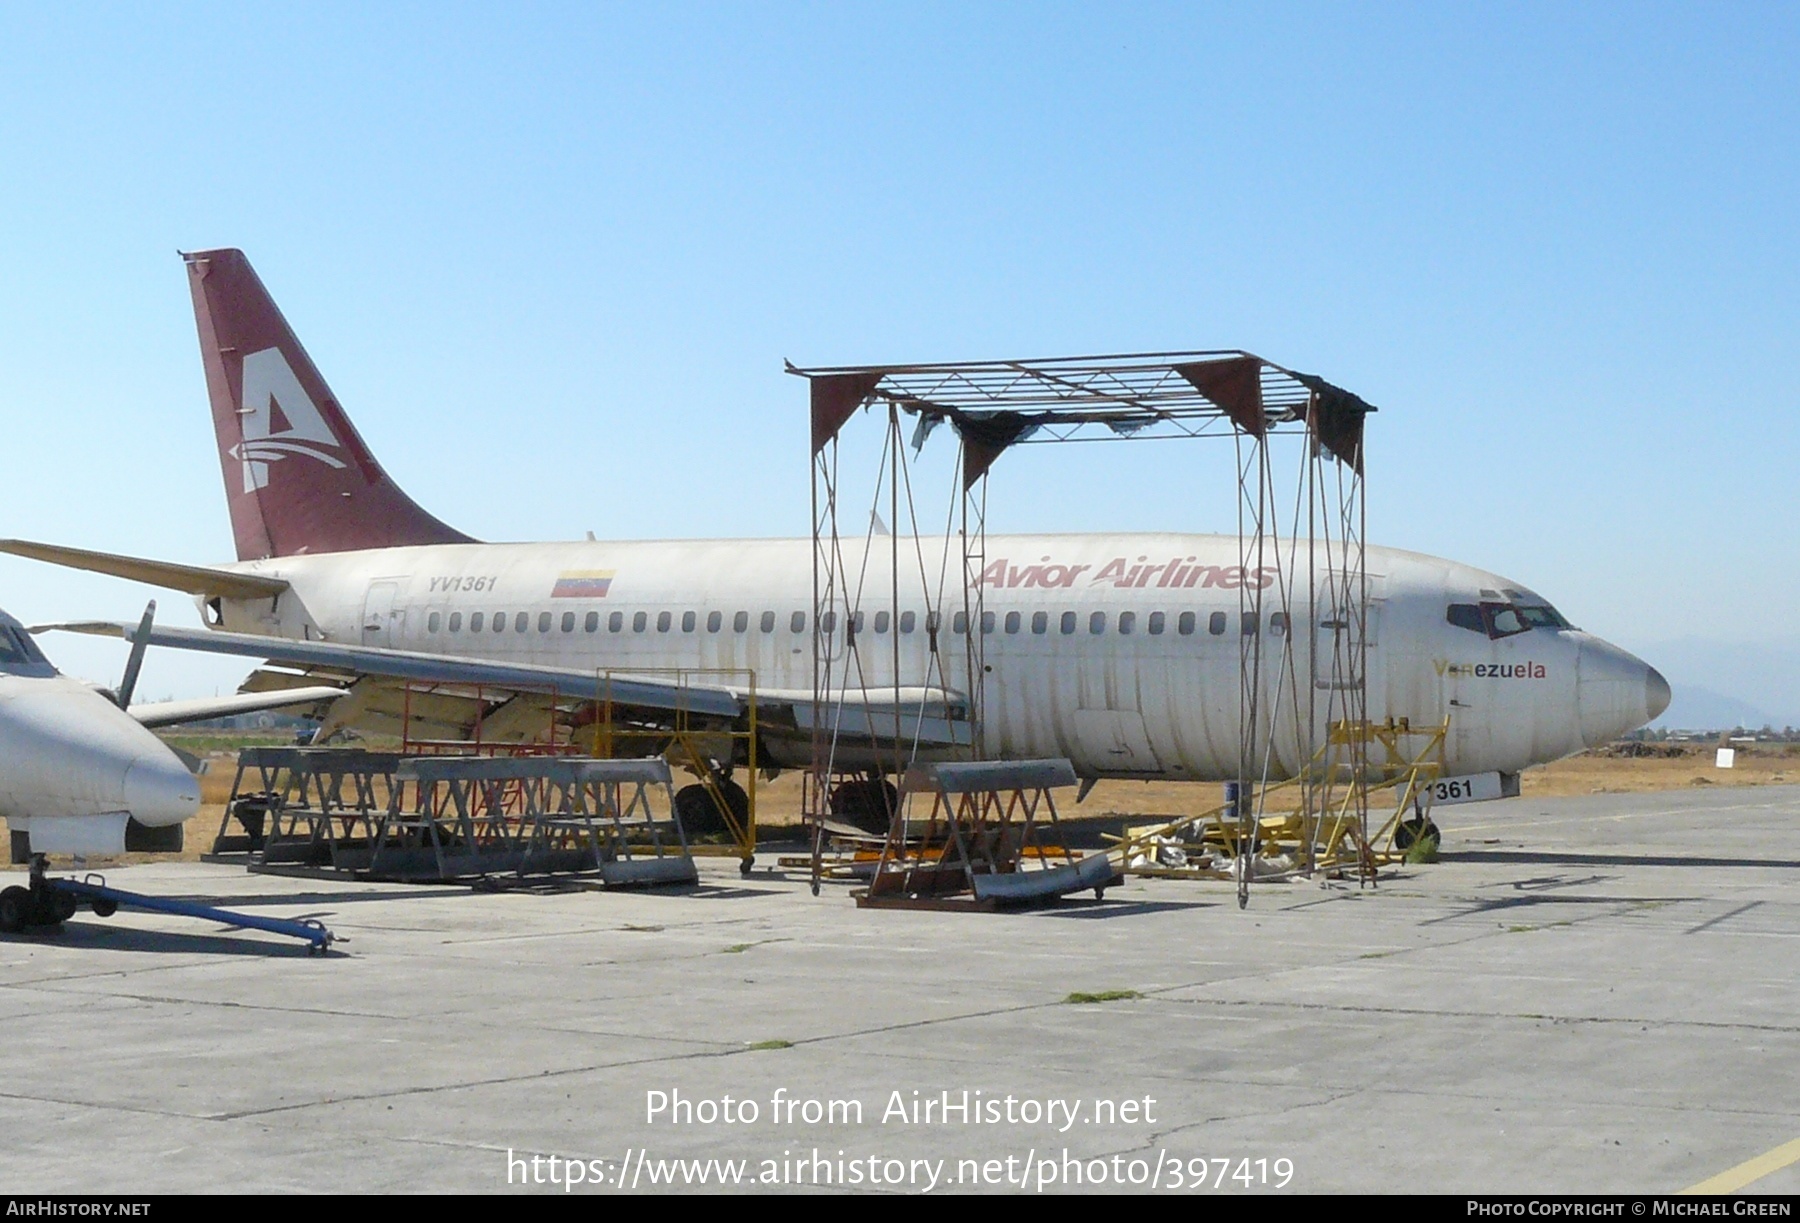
17 649
1543 616
1503 620
1465 615
1497 620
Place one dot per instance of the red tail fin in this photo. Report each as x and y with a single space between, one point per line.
297 476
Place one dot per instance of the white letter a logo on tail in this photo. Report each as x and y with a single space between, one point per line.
279 419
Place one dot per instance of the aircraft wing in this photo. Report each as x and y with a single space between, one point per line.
174 713
460 698
336 660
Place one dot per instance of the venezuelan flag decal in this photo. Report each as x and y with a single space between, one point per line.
583 584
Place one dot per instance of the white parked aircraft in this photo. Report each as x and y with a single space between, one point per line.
1119 652
80 773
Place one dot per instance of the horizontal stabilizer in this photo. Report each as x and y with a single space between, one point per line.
194 579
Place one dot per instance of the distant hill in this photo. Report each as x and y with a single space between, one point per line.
1719 684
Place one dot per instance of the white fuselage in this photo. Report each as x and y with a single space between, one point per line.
1120 652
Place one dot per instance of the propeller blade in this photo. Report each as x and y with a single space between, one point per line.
139 643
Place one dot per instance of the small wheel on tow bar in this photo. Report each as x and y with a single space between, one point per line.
15 909
105 908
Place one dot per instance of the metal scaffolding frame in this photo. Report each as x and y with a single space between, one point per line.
1298 446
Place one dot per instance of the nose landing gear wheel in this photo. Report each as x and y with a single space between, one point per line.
1410 832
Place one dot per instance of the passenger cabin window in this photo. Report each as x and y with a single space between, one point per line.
568 622
1127 623
1097 623
475 622
1250 625
908 621
881 621
856 622
1215 624
959 623
431 622
740 623
640 622
1068 623
767 623
616 622
1013 621
715 621
1185 625
1040 623
687 622
663 621
828 623
797 622
1157 620
592 623
544 619
1278 623
522 621
987 621
456 622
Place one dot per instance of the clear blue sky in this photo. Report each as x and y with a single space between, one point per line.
551 257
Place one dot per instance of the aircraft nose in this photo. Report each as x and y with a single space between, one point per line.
1658 698
160 791
1617 692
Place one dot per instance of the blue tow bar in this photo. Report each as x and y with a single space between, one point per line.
105 900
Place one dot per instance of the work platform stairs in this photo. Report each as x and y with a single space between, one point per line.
390 816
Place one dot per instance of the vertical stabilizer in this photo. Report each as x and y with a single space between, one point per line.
297 476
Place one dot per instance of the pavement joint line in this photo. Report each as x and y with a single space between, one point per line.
586 1069
152 999
1704 1025
1750 1171
101 974
103 1106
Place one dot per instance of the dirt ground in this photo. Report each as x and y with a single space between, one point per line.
1610 770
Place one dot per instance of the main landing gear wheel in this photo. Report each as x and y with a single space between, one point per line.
869 803
700 815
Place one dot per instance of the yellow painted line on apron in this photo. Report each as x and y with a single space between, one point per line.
1749 1171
